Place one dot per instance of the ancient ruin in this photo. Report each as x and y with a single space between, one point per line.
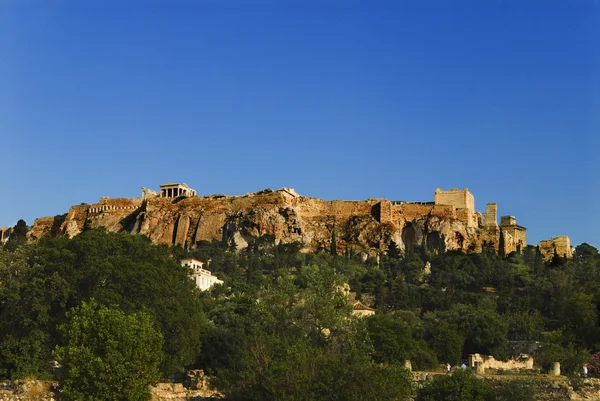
4 234
172 190
361 310
176 215
488 364
561 246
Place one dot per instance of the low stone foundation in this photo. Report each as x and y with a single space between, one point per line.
547 388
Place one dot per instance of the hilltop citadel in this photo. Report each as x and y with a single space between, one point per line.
176 215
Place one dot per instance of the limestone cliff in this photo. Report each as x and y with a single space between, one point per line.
365 227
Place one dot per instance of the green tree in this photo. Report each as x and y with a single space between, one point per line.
18 236
42 281
333 247
391 337
300 342
108 355
484 330
501 245
524 325
445 339
462 385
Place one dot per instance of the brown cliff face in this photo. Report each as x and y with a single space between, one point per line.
365 227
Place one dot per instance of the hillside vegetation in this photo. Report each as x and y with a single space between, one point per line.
281 327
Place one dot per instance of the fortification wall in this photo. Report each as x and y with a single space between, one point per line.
115 204
366 226
415 211
459 198
561 244
467 216
490 219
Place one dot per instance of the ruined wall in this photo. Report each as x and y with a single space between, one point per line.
4 234
491 216
515 238
385 211
467 217
459 198
487 362
561 244
108 213
508 221
364 227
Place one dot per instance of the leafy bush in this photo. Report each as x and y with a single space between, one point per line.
108 355
462 385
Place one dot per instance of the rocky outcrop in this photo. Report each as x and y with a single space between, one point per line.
364 227
560 246
28 390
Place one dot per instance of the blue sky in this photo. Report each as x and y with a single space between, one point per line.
337 99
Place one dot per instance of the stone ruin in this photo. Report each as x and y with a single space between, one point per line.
176 215
4 234
560 245
169 190
488 364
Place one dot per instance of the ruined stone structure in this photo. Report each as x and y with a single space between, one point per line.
514 235
4 234
177 216
487 363
490 220
148 193
172 190
361 310
561 245
462 200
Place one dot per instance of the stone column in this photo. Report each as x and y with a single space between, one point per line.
408 365
556 369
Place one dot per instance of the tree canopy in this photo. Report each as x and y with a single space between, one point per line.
44 280
281 326
107 354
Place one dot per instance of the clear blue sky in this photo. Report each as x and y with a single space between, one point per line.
337 99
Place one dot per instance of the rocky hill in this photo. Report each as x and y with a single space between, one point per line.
367 227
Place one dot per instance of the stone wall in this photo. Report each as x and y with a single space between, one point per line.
4 234
490 220
508 221
561 244
515 239
467 217
546 388
364 227
459 198
515 236
485 363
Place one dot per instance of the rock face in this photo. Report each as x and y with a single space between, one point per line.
560 246
363 227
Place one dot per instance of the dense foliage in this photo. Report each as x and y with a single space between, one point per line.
108 355
443 306
41 282
296 341
281 328
462 385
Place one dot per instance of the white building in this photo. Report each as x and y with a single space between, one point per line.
202 277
